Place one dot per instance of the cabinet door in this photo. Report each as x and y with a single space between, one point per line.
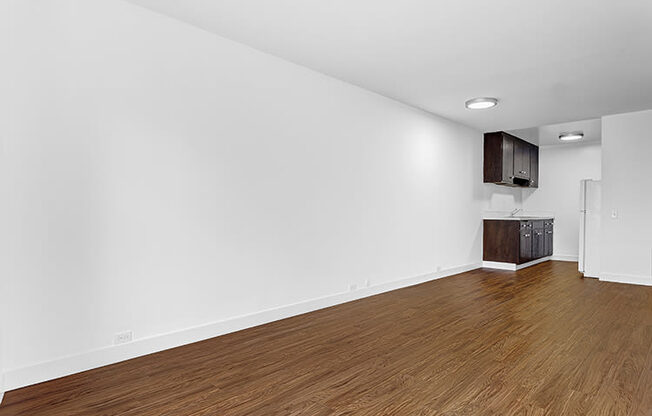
537 243
525 251
547 242
534 166
508 159
521 159
498 158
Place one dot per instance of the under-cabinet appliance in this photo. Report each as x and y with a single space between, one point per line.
590 206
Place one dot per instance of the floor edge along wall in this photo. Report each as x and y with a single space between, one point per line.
22 377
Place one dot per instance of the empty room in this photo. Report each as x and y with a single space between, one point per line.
313 208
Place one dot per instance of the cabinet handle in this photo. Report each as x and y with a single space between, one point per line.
527 235
549 232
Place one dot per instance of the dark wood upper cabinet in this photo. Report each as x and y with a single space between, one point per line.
510 161
534 166
498 158
521 159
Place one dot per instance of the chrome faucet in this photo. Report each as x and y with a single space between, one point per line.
516 211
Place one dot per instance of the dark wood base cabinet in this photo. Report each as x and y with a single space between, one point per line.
517 241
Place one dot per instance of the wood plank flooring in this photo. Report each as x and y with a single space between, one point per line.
540 341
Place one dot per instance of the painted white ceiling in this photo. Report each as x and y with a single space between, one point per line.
547 61
549 135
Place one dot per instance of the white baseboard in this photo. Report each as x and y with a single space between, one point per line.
565 257
499 265
512 266
49 370
626 278
2 386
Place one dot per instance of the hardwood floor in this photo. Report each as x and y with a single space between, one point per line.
540 341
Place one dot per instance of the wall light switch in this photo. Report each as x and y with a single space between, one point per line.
614 213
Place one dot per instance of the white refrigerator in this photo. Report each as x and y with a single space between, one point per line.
590 205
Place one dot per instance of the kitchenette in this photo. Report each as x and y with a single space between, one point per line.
512 241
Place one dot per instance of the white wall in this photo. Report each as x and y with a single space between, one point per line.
501 199
3 260
164 179
561 168
4 220
626 172
2 373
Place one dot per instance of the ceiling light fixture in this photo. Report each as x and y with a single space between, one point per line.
481 103
571 136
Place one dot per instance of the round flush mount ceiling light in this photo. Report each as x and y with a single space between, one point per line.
571 136
481 103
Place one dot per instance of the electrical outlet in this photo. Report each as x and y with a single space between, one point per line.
123 337
353 287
